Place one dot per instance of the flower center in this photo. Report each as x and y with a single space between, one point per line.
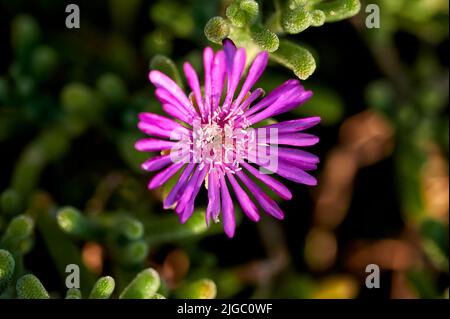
217 144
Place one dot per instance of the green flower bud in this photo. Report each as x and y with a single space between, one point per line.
167 66
73 293
143 286
10 202
217 29
242 12
29 287
317 18
43 61
296 58
296 21
200 289
103 288
337 10
7 265
112 87
19 229
264 38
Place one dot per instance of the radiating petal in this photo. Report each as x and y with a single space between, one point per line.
156 163
257 68
194 83
272 96
267 204
190 192
163 176
208 58
271 182
234 78
160 80
153 145
244 200
229 222
294 125
293 139
213 209
230 51
177 113
286 102
217 80
173 195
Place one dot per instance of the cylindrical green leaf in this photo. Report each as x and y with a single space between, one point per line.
264 38
169 229
296 58
73 293
242 13
7 265
30 287
10 202
338 9
199 289
143 286
103 288
19 229
74 223
132 253
217 29
317 18
296 20
130 228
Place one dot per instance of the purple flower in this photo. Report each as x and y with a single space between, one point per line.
213 141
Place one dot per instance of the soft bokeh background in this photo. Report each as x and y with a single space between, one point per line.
69 101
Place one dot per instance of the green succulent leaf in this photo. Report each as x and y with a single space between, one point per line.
337 10
217 29
143 286
30 287
296 58
103 288
242 13
7 265
73 293
199 289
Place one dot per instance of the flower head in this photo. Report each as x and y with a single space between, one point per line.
211 139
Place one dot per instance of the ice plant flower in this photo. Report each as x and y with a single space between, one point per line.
210 138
